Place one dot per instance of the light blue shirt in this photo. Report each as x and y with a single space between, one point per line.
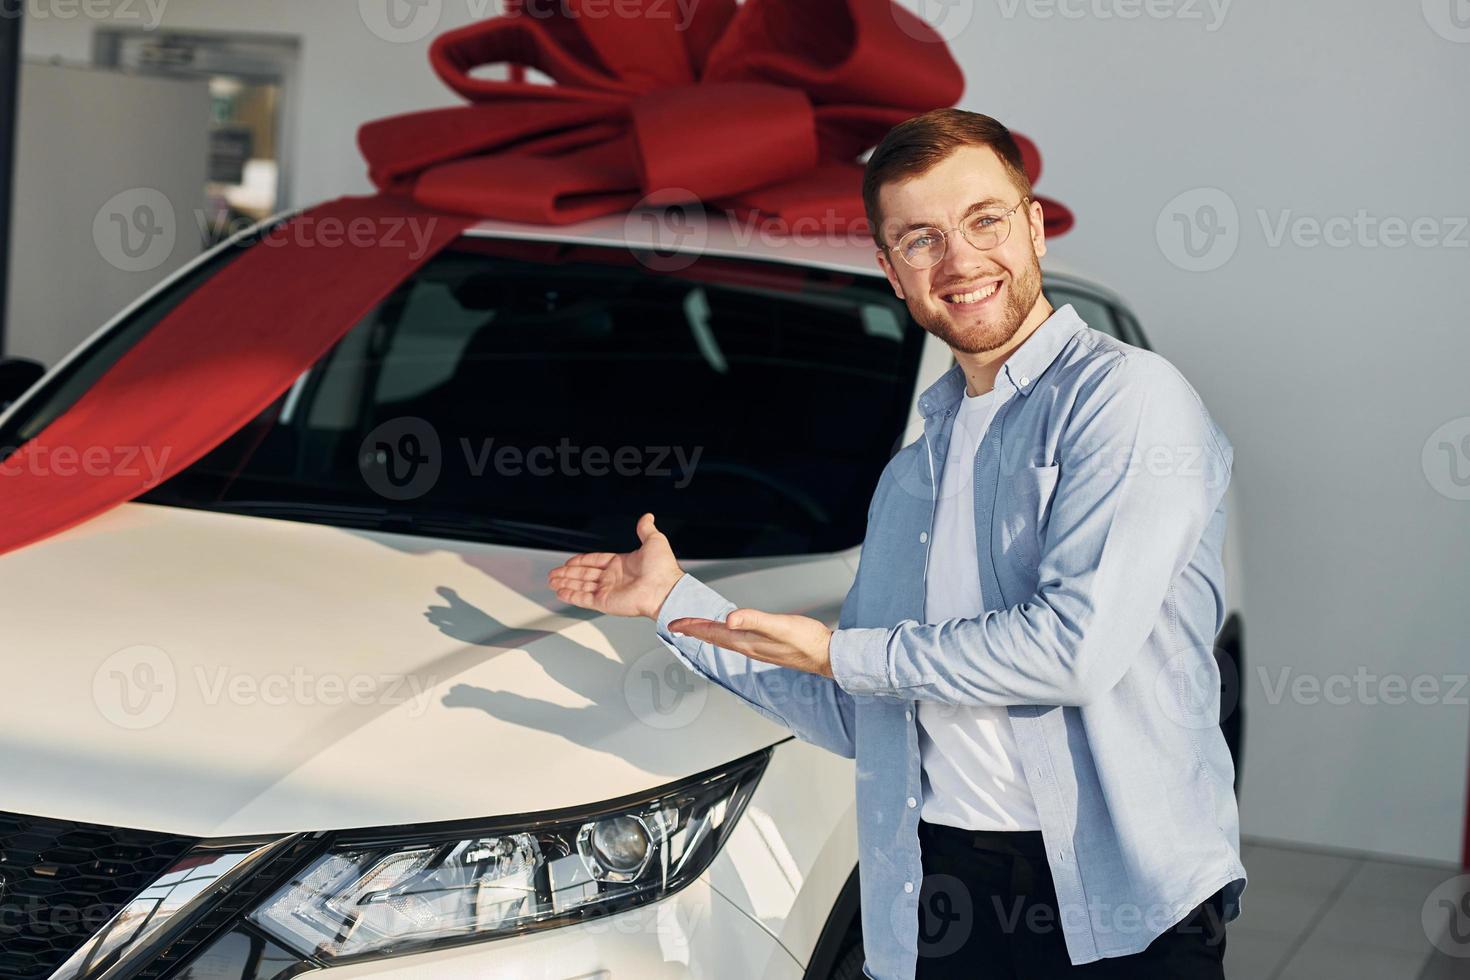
1100 523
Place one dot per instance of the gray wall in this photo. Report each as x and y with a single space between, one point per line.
109 177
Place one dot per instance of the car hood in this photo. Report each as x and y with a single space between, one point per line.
216 675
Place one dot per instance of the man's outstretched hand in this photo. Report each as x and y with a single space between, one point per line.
631 584
636 583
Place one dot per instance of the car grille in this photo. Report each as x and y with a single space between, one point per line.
62 881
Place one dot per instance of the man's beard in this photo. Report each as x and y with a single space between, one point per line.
1020 299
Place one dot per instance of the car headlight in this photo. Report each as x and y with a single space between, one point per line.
382 895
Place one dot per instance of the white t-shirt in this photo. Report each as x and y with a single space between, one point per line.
972 775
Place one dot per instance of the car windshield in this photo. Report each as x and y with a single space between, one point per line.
546 395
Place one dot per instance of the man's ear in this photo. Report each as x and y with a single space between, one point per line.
1038 227
891 273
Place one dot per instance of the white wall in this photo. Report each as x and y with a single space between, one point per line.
103 160
355 65
1329 367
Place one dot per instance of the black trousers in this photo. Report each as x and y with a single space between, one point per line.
988 911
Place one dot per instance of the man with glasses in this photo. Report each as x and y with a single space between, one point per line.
1023 668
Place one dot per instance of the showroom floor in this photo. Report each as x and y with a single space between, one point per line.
1313 915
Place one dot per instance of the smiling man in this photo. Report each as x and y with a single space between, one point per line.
1023 668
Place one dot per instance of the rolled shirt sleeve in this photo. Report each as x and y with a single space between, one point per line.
812 707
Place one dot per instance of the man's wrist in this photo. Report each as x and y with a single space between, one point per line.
661 594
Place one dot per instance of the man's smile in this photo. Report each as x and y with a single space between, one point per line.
972 297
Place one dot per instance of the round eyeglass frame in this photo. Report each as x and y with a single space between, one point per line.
944 236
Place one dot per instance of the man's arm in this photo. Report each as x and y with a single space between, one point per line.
812 707
1141 476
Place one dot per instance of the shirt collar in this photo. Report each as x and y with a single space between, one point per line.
1022 369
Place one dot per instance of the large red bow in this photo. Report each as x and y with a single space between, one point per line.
759 108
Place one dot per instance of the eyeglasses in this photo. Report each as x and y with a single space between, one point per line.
924 248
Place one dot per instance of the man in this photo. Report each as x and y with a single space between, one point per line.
1023 666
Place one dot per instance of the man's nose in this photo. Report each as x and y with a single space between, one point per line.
961 259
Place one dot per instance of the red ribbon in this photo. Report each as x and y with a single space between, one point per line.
762 108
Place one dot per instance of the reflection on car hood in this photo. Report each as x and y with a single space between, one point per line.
214 674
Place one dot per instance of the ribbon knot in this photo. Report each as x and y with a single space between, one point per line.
717 140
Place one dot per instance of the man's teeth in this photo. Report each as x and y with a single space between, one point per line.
973 297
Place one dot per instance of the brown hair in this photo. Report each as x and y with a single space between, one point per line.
915 145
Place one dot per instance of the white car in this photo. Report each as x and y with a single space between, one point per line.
309 705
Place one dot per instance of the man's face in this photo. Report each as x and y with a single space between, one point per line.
972 300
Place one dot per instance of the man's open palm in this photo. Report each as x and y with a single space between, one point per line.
634 583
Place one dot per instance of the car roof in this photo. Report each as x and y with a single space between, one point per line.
726 236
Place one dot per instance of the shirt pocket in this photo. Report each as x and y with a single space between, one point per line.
1027 497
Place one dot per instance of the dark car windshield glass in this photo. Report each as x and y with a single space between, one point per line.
546 395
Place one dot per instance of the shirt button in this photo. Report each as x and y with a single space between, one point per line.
908 886
908 716
913 802
1025 381
923 536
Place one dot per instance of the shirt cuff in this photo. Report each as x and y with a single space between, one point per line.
690 597
859 660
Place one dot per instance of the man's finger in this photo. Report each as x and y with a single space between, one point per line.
595 559
752 619
581 573
711 631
